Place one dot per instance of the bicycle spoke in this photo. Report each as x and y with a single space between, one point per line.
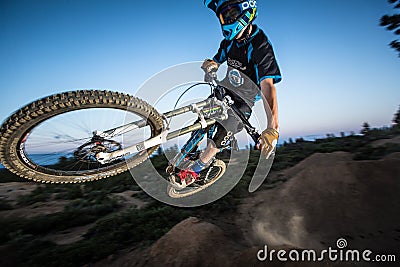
55 143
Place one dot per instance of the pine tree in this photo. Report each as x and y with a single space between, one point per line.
396 119
392 23
366 128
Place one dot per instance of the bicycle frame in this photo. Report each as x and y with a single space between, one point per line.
166 135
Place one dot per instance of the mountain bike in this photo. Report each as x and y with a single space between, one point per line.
87 135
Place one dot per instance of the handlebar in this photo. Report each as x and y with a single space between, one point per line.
216 85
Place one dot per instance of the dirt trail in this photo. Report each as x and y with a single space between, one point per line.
11 191
382 142
327 197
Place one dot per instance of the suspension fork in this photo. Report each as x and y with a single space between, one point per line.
157 140
143 122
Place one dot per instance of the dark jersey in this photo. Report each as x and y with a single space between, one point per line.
255 58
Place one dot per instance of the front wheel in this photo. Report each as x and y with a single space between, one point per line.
208 177
51 140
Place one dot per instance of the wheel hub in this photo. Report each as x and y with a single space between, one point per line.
88 151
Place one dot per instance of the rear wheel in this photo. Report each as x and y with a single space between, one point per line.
208 177
51 139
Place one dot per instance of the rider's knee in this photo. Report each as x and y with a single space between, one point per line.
222 141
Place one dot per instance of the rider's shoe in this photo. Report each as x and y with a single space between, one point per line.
184 178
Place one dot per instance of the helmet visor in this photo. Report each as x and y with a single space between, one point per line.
229 14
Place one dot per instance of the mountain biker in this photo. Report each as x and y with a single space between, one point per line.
245 48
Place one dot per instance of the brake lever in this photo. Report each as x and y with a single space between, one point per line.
213 77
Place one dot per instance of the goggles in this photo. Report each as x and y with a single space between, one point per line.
230 14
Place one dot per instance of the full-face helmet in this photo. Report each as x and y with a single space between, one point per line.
234 15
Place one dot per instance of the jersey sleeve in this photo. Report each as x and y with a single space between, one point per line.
220 57
266 65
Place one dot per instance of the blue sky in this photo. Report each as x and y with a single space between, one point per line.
338 70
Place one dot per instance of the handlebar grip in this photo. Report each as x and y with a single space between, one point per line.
255 136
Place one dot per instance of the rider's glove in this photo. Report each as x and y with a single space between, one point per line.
268 141
210 67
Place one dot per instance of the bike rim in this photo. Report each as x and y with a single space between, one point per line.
63 145
215 174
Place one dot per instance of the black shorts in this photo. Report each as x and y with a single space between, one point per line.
225 129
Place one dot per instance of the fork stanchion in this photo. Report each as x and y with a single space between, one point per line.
189 129
186 108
